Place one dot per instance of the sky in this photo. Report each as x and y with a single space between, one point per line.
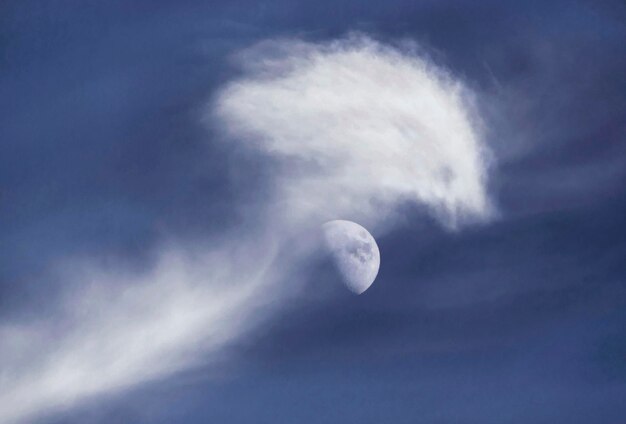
165 168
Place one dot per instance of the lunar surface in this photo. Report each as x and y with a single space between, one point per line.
354 252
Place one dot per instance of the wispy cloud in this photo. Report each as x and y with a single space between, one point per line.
354 127
361 127
125 329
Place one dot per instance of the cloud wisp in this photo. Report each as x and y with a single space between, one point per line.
362 127
355 129
120 330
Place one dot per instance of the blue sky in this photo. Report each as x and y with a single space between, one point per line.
106 155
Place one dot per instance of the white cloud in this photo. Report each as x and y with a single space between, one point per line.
374 126
356 128
123 329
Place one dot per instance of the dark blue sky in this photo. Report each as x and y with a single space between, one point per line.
522 320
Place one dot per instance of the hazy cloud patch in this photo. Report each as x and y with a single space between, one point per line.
358 128
363 126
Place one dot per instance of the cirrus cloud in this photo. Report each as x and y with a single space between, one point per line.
363 127
356 128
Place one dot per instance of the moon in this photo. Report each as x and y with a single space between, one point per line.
354 252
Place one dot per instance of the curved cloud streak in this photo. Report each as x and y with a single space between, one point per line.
376 126
355 128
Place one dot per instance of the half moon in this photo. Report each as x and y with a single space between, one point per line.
354 252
